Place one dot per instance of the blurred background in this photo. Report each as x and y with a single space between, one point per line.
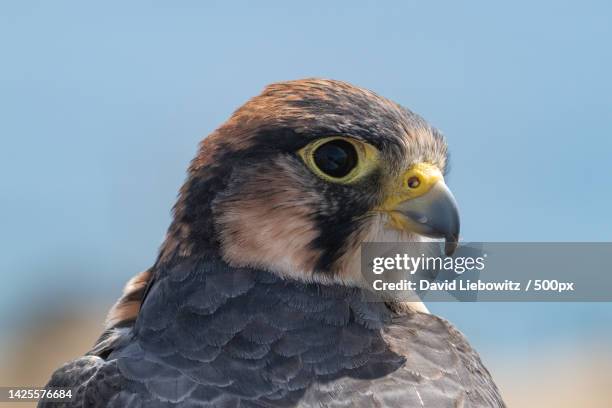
102 106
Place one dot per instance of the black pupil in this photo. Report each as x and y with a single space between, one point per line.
336 158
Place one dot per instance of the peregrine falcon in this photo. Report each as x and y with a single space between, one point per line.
256 297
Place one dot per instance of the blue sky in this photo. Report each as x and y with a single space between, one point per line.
103 105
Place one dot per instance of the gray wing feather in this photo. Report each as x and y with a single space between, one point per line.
440 370
93 382
213 336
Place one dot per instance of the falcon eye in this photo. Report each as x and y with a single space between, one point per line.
336 158
339 159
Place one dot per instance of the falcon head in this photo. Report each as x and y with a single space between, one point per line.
304 173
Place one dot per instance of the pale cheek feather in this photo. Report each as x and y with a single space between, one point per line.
267 223
278 241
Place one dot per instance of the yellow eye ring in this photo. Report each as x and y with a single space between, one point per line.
348 159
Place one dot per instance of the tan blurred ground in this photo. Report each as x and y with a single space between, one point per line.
556 376
29 357
559 376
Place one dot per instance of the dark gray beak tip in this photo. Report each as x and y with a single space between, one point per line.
450 245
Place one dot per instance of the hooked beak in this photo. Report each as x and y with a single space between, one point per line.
434 214
427 207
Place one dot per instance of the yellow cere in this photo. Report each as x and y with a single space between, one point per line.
367 159
415 182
